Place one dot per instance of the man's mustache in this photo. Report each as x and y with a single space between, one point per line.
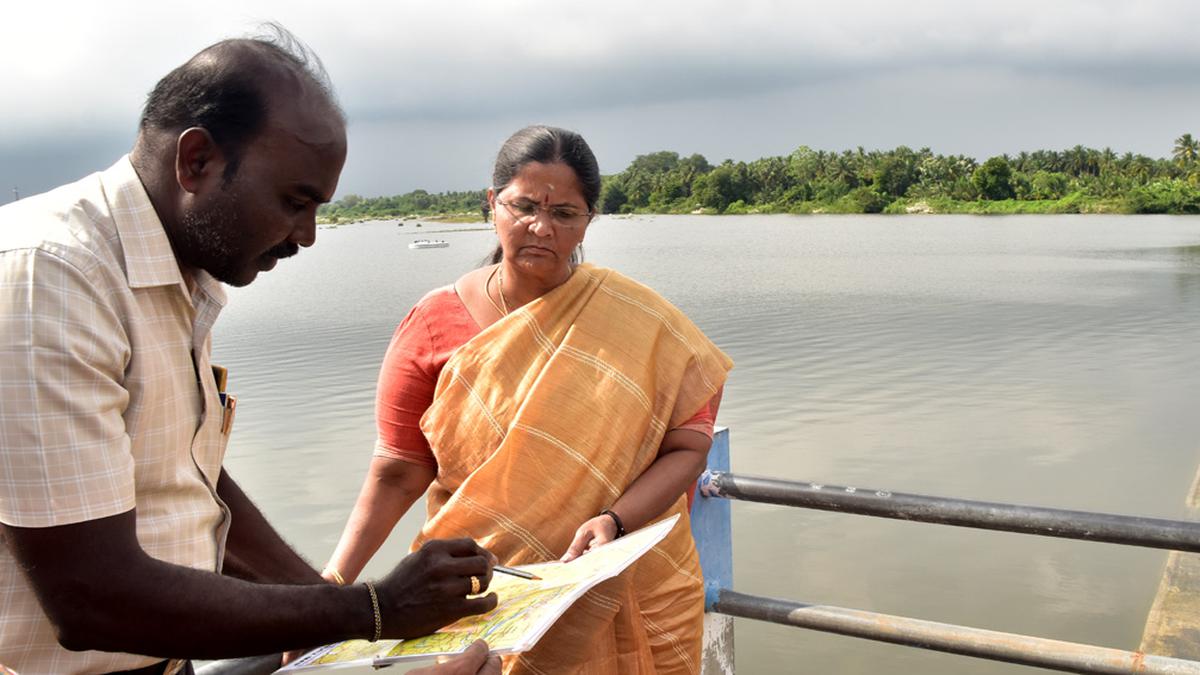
285 249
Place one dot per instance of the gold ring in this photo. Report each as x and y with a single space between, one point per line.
475 585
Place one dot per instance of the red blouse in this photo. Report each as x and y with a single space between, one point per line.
424 341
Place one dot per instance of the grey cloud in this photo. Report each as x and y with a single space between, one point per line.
431 88
471 59
666 78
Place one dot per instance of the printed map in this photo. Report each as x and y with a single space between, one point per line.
524 612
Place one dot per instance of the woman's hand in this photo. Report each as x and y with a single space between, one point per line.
592 533
474 661
288 657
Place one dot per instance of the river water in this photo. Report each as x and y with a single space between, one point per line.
1045 360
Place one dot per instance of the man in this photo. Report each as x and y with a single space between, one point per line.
125 545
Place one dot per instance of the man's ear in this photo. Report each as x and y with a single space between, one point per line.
199 162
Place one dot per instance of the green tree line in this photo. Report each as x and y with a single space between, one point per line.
1077 180
417 203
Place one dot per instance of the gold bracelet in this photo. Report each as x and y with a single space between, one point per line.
375 607
337 576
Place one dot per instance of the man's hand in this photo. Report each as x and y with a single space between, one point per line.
429 588
592 533
474 661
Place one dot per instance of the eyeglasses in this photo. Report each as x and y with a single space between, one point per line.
525 211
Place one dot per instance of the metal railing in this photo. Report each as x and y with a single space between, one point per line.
1175 535
712 530
251 665
977 642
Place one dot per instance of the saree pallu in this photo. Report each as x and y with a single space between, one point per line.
543 420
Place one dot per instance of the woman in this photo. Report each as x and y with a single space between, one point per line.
549 407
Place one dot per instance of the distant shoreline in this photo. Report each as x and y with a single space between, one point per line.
898 181
1072 204
407 219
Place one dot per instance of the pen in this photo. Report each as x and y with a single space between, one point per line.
516 572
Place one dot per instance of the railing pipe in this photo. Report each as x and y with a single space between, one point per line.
251 665
976 642
1176 535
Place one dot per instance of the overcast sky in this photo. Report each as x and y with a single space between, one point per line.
433 88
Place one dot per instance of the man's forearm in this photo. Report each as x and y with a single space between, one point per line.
117 598
194 614
254 550
100 590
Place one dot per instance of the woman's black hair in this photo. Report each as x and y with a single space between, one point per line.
547 145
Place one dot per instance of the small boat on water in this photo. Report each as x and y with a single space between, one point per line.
429 243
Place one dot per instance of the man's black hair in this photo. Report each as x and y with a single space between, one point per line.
224 89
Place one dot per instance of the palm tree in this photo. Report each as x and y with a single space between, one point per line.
1022 161
1142 168
1076 160
1187 150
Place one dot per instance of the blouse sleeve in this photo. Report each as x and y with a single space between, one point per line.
706 417
407 380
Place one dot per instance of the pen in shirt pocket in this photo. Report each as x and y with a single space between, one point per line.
228 408
228 401
220 377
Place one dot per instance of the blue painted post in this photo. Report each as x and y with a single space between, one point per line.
713 533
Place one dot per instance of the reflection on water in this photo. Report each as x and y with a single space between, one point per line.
1040 360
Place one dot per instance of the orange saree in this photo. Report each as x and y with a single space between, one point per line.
540 422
